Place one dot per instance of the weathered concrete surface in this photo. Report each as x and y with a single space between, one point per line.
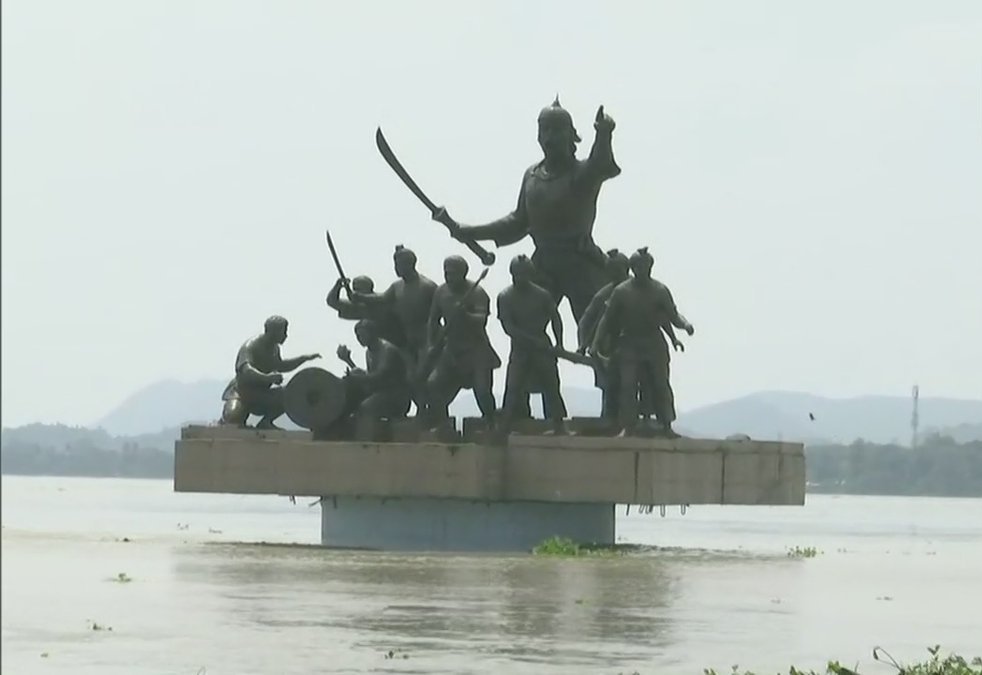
529 469
196 432
416 524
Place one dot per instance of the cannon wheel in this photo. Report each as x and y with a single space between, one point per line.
314 398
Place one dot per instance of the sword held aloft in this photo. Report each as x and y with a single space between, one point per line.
438 213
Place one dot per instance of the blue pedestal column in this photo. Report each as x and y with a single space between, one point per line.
411 524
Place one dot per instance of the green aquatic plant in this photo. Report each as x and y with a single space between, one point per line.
832 668
952 664
557 546
565 547
799 552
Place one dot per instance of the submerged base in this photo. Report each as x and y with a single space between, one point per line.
422 524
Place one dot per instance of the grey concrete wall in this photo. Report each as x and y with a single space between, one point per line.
529 468
459 525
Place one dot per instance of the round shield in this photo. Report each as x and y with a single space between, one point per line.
314 398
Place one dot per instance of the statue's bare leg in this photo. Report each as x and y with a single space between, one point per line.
270 406
234 413
485 396
553 404
627 398
267 423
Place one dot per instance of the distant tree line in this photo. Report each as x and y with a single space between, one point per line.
938 466
58 450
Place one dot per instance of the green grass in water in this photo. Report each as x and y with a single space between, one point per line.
564 547
952 664
806 552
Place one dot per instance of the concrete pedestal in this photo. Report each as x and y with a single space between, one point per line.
426 495
420 524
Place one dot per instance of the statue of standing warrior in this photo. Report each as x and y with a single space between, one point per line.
409 298
350 310
618 270
557 207
524 310
464 356
586 329
259 369
636 311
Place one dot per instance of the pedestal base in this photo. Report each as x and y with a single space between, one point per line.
422 524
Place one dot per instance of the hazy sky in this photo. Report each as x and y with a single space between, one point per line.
808 176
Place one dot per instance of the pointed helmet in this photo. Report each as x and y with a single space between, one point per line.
558 113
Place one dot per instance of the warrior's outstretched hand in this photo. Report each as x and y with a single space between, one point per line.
603 122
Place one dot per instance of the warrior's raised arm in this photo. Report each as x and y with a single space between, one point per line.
601 161
558 139
507 230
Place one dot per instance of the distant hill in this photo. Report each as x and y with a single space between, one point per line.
165 404
877 419
961 433
168 404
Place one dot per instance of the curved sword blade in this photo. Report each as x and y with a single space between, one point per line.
337 262
390 159
486 257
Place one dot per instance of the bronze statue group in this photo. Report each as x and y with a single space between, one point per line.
425 342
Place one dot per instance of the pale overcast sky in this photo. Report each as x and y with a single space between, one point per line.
808 176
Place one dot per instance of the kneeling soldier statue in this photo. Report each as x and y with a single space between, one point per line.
259 369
